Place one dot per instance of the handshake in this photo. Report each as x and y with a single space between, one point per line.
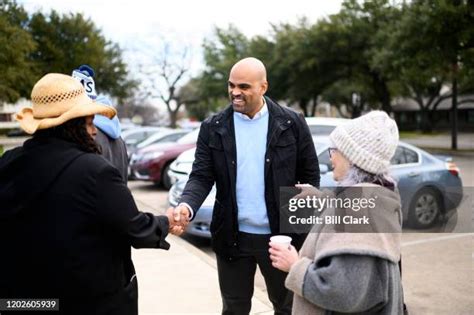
178 219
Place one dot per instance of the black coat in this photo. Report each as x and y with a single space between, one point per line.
290 158
67 221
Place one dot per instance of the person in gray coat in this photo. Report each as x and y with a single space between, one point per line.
339 271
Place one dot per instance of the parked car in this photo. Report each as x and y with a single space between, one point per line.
166 135
430 186
201 224
134 136
152 162
181 167
323 126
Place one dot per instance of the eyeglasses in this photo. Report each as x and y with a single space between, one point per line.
331 151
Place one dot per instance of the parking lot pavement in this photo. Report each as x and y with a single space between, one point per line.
465 163
438 268
437 273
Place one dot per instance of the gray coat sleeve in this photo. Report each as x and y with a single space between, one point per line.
347 283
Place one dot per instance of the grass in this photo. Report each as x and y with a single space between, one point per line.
437 150
417 134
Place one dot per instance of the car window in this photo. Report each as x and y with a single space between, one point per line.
404 156
324 158
321 130
144 135
399 157
171 138
159 140
149 134
410 156
136 136
178 136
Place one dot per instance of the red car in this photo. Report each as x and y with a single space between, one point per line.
152 162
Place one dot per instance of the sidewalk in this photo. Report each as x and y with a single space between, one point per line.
182 280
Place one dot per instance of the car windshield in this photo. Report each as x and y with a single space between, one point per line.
138 132
318 130
160 138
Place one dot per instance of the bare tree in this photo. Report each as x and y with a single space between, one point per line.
138 105
168 72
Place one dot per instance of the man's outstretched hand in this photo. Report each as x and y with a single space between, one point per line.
178 219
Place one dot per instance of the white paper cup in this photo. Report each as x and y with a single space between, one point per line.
281 239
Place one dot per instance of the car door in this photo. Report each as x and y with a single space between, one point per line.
406 169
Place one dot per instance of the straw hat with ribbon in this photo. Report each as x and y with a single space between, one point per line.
56 99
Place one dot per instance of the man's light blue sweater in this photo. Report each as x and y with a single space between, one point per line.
251 143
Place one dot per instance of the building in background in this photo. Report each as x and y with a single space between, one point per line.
407 113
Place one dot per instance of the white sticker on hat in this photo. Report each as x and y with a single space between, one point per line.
87 82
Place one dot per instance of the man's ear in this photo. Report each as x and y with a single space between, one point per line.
264 87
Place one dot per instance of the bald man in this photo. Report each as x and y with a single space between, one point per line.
250 150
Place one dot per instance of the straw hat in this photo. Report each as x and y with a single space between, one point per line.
56 99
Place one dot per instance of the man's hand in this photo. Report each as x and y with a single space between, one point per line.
177 227
181 214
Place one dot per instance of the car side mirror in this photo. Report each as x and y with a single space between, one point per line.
323 168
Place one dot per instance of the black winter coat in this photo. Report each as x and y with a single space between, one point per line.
67 221
290 158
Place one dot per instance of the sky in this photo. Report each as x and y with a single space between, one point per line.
140 24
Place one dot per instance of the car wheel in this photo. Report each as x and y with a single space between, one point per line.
165 178
425 208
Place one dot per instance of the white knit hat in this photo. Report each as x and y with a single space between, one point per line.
368 142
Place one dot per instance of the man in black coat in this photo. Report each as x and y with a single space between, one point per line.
250 150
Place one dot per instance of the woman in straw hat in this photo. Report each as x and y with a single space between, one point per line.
352 269
67 220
